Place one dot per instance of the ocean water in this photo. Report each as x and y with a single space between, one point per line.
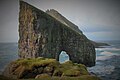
107 59
8 53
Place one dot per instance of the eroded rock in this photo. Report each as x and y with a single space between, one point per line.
41 35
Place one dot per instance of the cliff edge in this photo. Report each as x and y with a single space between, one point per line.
65 21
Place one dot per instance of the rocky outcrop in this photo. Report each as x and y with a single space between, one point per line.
99 44
44 68
41 35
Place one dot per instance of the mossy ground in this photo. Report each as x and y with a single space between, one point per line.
85 77
70 69
29 63
27 69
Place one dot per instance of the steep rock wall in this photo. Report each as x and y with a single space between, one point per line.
41 35
63 20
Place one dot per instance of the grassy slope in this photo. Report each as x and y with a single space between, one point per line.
64 71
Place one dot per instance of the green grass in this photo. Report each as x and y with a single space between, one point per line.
64 71
29 63
70 69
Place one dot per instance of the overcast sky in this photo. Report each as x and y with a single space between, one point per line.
98 19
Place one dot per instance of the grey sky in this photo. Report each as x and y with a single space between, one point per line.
98 19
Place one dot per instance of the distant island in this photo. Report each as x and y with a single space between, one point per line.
99 44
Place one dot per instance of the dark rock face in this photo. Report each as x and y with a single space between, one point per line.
63 20
69 24
41 35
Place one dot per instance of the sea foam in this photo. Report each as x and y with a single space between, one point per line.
106 55
108 49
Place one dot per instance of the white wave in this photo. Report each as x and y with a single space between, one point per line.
109 49
106 55
103 57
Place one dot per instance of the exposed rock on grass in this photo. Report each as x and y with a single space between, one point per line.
34 68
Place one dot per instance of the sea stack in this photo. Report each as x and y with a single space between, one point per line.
41 35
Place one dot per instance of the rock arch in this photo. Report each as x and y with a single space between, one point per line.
41 35
63 57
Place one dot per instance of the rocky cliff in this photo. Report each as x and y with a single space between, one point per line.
41 35
65 21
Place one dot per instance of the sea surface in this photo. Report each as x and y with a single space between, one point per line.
107 59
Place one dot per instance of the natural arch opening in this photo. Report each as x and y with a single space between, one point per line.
63 57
